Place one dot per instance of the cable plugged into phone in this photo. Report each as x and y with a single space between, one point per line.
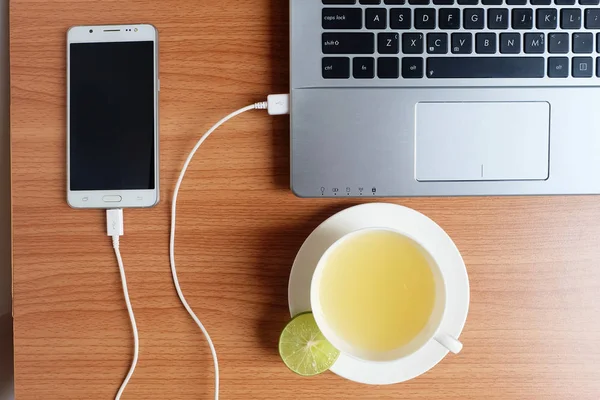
276 104
114 223
114 229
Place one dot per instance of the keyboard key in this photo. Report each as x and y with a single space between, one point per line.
547 18
598 43
412 67
564 2
376 18
589 2
598 67
462 43
437 43
522 18
485 67
342 18
473 18
400 18
388 43
592 18
339 1
583 43
363 68
498 18
534 43
516 2
485 43
348 43
449 18
388 68
558 67
491 2
540 2
468 2
443 2
510 43
583 67
425 18
412 43
558 43
570 18
370 1
336 68
394 2
419 2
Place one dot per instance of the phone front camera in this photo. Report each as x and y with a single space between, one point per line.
91 31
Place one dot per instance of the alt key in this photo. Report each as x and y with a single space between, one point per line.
412 67
558 67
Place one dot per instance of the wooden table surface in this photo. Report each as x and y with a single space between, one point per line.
533 330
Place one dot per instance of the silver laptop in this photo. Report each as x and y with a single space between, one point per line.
445 97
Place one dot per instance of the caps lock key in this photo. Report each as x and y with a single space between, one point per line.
342 18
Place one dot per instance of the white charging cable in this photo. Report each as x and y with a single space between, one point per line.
275 105
114 229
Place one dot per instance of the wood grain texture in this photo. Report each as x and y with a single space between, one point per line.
533 330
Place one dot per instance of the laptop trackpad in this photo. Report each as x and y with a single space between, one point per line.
482 141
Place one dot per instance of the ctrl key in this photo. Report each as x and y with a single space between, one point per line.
336 67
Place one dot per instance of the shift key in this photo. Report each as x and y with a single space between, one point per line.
348 43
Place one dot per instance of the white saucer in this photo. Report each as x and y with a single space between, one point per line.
437 243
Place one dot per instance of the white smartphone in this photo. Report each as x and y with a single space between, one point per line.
112 116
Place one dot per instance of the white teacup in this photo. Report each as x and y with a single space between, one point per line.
430 332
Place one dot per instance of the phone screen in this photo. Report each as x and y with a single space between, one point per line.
112 116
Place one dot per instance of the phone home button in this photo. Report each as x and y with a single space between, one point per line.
112 199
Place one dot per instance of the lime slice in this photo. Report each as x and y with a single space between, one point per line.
304 349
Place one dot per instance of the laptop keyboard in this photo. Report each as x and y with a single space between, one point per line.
445 39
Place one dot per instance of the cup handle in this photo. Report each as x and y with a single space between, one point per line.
449 342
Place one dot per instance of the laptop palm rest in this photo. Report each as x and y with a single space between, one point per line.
482 141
